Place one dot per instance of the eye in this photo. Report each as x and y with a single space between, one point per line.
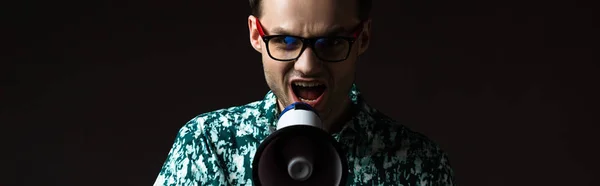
329 42
286 42
291 40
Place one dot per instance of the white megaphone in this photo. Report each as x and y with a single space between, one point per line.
299 152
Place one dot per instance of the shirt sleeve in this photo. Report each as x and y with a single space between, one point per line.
192 160
444 175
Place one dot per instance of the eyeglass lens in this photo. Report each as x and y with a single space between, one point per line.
290 47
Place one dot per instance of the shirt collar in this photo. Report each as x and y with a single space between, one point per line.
361 112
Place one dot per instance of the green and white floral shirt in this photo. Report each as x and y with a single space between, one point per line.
217 148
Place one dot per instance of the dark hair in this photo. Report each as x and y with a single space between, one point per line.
364 8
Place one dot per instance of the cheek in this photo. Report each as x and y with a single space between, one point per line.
343 72
275 72
273 68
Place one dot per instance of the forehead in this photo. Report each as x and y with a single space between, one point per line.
308 17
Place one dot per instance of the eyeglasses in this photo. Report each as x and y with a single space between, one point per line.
289 48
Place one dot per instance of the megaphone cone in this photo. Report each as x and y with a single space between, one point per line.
299 152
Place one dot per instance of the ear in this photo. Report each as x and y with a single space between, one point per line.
365 38
255 39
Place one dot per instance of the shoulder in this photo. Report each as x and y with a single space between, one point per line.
430 160
204 150
402 136
416 151
222 119
422 147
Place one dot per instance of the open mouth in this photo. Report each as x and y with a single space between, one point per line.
308 91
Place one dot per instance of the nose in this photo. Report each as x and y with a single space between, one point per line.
308 63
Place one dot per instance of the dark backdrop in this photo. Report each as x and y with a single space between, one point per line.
94 92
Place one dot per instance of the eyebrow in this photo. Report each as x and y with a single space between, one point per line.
332 31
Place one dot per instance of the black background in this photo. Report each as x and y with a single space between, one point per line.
94 92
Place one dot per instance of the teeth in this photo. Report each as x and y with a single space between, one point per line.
307 84
306 100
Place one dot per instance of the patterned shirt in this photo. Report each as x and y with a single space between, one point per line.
217 148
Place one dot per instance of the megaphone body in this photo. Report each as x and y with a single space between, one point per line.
299 152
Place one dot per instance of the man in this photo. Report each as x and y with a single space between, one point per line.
309 53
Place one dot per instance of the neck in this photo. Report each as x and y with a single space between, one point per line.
336 121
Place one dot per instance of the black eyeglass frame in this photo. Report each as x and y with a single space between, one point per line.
310 42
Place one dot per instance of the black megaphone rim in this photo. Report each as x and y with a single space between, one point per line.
318 133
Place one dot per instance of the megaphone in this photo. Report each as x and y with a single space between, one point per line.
299 152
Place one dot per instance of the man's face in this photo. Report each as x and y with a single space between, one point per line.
310 79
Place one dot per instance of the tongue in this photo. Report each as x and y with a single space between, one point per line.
309 93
